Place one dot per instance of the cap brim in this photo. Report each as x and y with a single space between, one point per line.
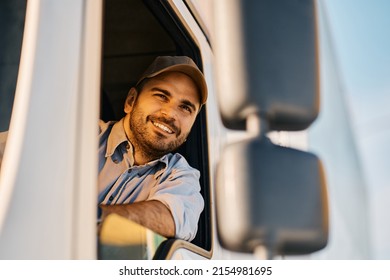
190 71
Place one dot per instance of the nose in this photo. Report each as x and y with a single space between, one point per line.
169 111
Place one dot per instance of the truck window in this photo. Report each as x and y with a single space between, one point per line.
12 16
135 32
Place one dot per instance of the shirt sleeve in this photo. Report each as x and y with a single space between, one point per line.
180 192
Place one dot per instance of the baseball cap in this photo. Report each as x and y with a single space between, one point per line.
182 64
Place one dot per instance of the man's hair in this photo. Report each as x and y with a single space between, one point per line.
139 87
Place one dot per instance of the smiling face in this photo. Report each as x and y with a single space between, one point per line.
159 118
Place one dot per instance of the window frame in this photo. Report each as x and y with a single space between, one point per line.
166 14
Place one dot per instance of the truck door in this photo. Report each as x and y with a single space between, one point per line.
48 174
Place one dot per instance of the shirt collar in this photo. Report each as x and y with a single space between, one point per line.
164 160
117 136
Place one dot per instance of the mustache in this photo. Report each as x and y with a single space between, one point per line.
166 121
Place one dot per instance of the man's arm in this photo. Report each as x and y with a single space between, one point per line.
152 214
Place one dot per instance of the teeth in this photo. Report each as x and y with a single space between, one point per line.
163 127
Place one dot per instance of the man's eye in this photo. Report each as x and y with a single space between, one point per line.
186 108
161 96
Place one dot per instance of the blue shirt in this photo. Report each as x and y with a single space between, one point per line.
170 180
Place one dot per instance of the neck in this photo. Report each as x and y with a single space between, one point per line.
140 156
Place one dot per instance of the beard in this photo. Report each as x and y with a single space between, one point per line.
151 143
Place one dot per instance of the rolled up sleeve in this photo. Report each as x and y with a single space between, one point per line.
180 192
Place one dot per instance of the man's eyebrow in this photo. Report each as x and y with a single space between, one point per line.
183 101
166 92
189 104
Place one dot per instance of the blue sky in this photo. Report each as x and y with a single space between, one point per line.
361 38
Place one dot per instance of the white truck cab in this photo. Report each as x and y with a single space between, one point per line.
68 63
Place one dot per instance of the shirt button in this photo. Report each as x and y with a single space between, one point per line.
127 146
116 161
111 198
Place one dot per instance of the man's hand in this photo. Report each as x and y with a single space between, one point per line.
151 214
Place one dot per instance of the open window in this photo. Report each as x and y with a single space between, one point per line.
135 32
12 16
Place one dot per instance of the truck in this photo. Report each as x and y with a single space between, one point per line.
65 64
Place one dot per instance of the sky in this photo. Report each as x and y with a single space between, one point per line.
361 39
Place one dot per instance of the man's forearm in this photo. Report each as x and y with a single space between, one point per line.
151 214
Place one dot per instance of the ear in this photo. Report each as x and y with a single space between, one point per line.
130 99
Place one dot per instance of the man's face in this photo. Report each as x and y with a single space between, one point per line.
161 117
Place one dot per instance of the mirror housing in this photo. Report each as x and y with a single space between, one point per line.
267 62
271 196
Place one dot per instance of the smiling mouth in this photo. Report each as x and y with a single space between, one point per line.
163 127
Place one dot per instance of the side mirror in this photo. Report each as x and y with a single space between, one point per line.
266 58
267 79
271 196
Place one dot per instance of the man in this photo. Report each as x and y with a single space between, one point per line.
139 177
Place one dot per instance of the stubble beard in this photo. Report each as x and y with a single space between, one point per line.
152 145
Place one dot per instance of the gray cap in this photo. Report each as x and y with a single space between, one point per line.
181 64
